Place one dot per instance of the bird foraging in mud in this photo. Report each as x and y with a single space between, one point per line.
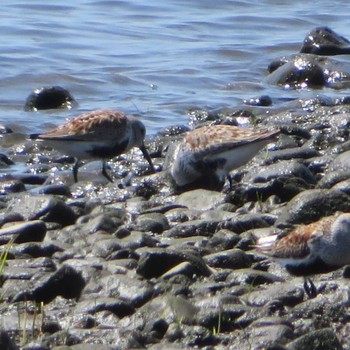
100 134
319 247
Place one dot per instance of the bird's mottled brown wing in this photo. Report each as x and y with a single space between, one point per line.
104 124
219 138
296 244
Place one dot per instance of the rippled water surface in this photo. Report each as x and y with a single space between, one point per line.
157 59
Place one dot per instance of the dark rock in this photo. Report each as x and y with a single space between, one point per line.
259 101
311 205
200 199
66 282
10 217
51 327
331 178
58 211
61 190
119 263
193 228
128 289
291 129
321 311
251 277
32 179
340 163
181 215
35 250
87 322
6 342
245 222
343 186
174 130
187 243
269 332
49 98
221 318
152 222
252 314
4 129
284 179
18 274
59 338
19 269
223 240
316 340
275 64
285 294
174 333
105 248
153 184
31 231
43 207
228 259
302 71
209 286
153 319
199 116
136 239
199 337
156 328
324 41
293 153
346 272
118 307
4 160
100 219
247 241
11 186
283 168
157 261
282 187
102 222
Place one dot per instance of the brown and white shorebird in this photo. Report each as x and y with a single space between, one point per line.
319 247
100 134
207 155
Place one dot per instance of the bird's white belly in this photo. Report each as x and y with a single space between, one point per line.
78 149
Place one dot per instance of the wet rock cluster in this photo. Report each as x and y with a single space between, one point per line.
50 97
136 264
312 68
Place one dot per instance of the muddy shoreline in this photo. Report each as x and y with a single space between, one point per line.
136 264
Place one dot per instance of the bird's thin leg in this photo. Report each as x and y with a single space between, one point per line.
104 171
147 157
75 170
229 178
310 288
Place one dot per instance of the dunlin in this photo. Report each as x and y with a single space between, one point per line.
100 134
207 155
319 247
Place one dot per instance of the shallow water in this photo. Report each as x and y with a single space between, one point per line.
156 59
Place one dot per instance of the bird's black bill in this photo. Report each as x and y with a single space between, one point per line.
104 171
75 170
310 288
148 158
